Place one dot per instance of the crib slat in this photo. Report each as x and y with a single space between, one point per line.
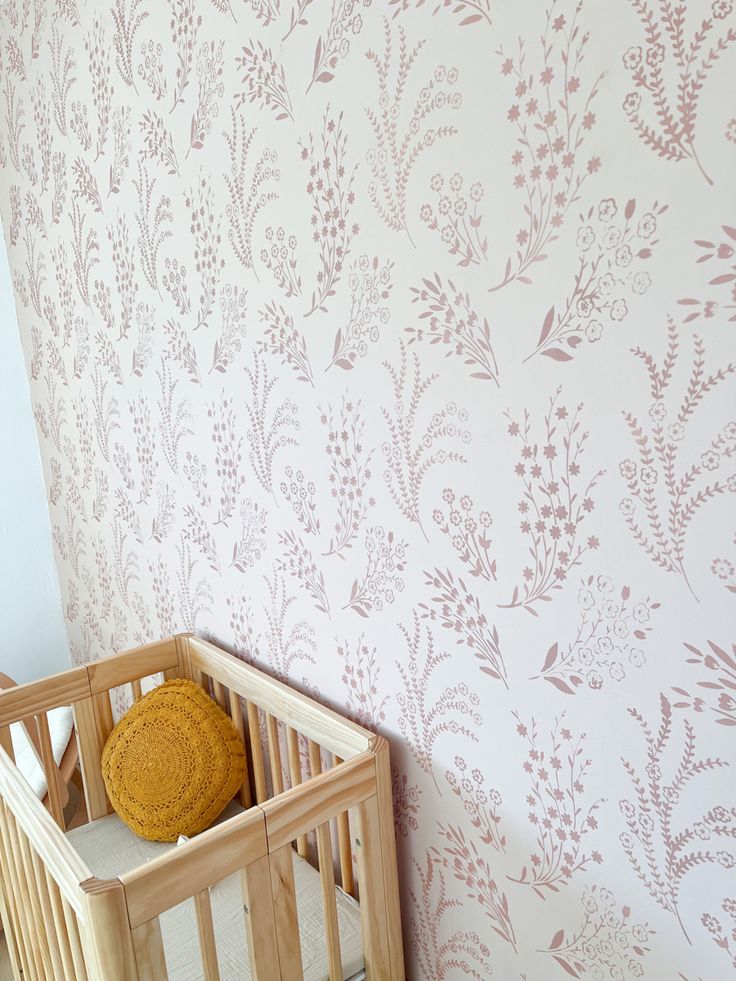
89 740
149 951
315 758
6 742
220 693
41 944
49 926
9 911
260 924
329 905
295 773
256 751
62 933
50 770
344 848
75 941
22 936
27 921
136 690
274 754
236 714
206 930
285 913
105 724
7 925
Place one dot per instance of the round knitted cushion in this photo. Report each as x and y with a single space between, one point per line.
173 762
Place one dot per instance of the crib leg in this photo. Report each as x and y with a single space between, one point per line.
389 858
110 943
373 912
259 920
285 912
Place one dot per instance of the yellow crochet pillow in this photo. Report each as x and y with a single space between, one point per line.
173 762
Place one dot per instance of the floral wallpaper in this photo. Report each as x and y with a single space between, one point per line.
393 346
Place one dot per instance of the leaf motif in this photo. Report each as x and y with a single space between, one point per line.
324 77
557 354
567 967
547 325
551 657
560 685
557 940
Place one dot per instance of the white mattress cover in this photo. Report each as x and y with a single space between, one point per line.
110 848
61 723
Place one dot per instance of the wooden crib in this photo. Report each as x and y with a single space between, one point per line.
315 808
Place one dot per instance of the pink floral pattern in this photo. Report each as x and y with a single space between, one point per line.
268 261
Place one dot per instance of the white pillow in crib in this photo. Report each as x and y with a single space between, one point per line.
61 723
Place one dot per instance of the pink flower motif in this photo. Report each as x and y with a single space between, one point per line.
647 225
585 238
607 209
631 103
657 411
593 331
710 460
632 58
619 309
721 8
655 55
648 476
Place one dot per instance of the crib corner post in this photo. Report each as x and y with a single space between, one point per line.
388 858
184 655
109 944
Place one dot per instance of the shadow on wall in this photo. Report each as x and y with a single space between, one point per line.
34 638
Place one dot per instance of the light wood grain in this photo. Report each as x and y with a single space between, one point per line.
301 809
194 866
89 740
10 914
260 923
75 941
274 754
384 782
44 835
109 930
256 752
370 881
40 696
62 933
120 669
47 917
148 945
295 775
326 727
329 904
285 913
236 714
345 848
206 931
50 770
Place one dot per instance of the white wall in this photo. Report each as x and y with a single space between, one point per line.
34 640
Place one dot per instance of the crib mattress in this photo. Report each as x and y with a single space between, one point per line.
109 848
